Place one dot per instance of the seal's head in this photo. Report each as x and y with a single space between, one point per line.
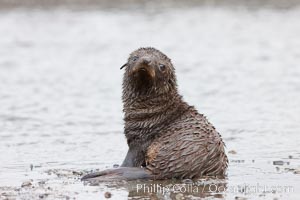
149 71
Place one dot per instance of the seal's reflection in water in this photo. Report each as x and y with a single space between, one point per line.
168 189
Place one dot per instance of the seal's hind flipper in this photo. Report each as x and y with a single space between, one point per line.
122 173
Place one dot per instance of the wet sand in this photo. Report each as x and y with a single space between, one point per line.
60 96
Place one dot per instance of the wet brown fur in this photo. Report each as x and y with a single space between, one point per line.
165 135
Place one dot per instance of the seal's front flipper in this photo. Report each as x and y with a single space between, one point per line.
128 161
122 173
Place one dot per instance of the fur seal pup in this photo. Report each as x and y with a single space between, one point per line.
167 138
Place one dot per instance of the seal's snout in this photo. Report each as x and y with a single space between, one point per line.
144 67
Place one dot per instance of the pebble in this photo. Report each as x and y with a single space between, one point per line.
297 171
237 161
41 182
278 162
26 184
107 195
232 152
116 166
240 198
77 173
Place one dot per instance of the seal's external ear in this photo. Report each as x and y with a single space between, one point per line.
123 66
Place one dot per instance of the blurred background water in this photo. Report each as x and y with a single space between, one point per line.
60 87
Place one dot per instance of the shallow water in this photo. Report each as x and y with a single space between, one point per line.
60 94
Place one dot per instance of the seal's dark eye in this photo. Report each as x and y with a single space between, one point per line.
134 58
162 67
